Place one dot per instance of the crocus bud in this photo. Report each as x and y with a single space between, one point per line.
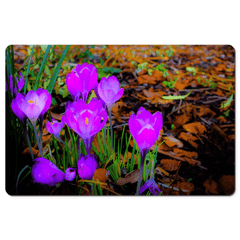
109 90
87 166
20 84
55 127
46 172
70 174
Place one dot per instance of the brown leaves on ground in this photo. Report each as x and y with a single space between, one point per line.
101 175
205 112
227 184
170 164
211 186
36 153
146 79
180 153
131 177
195 127
181 119
188 137
172 141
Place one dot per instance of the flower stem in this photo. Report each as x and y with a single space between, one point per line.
78 146
39 146
143 155
104 137
88 144
40 129
60 140
111 128
18 177
28 141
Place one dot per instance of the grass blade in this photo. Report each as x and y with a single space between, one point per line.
28 68
57 69
42 67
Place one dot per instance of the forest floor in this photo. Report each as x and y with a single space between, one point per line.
197 156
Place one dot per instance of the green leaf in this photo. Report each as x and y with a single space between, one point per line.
111 70
65 91
170 97
57 69
169 84
150 72
190 69
42 67
101 62
227 103
226 113
29 62
142 65
54 102
47 70
44 47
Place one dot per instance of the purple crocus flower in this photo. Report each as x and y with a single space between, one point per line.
47 103
55 127
46 172
70 174
152 186
87 166
20 84
109 90
97 95
145 129
86 119
18 112
34 104
81 81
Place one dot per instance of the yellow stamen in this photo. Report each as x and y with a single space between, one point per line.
31 101
87 121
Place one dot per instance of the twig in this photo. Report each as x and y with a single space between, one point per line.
176 109
194 90
215 100
227 126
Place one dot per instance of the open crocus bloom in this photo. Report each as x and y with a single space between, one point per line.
109 90
152 186
48 100
145 128
86 119
46 172
81 81
20 83
87 166
55 127
34 105
18 112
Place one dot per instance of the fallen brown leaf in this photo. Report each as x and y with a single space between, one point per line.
227 184
131 177
180 153
172 141
100 174
195 127
210 186
170 164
